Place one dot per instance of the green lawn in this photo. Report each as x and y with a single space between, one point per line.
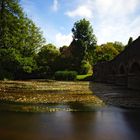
83 77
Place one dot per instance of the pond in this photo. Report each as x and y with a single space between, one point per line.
107 123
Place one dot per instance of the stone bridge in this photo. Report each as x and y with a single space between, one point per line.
122 70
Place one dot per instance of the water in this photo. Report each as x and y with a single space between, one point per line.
107 123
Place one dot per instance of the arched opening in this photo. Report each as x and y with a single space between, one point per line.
135 68
122 70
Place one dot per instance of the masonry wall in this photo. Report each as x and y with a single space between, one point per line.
122 70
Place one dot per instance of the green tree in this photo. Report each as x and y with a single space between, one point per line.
19 40
10 13
108 51
46 60
83 34
83 44
118 46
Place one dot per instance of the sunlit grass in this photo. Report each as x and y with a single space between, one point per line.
83 77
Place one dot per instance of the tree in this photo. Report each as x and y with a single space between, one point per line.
46 60
118 46
83 35
19 39
83 44
108 51
129 42
63 49
10 13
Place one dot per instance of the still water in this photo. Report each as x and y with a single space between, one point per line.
107 123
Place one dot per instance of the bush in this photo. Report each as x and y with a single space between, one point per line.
65 75
85 67
5 75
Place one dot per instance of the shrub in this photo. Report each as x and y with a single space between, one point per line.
65 75
5 75
85 67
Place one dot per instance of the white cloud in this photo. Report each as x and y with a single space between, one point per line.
55 5
62 39
119 8
117 22
112 20
81 11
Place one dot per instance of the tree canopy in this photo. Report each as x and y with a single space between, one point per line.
46 60
108 51
19 39
83 44
84 39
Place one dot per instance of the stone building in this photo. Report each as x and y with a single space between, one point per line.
123 69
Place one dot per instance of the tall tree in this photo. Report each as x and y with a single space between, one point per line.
84 39
10 13
83 45
19 39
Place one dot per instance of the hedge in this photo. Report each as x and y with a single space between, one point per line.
66 75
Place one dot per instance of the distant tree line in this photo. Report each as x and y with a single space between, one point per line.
23 53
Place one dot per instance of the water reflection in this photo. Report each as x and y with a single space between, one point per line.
108 123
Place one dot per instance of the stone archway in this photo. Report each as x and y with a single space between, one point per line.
135 68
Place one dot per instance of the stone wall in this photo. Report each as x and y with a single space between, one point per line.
122 70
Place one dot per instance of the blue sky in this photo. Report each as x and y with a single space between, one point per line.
112 20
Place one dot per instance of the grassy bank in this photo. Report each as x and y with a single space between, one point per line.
85 77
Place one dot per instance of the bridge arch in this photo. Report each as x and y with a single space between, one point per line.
134 68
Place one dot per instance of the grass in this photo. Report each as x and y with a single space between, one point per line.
83 77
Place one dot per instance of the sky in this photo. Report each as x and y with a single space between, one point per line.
112 20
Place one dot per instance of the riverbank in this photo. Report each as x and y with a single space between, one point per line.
47 96
117 95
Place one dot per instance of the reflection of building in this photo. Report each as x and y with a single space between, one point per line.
122 70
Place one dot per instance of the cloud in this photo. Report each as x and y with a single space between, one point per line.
119 7
55 5
62 39
117 22
81 11
112 21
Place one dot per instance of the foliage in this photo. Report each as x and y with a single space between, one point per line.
63 49
66 75
13 63
108 51
118 46
19 39
84 42
85 67
46 60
